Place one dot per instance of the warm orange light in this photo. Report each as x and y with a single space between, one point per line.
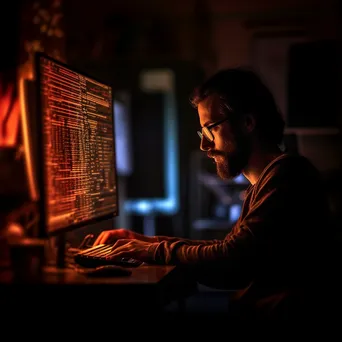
9 116
30 171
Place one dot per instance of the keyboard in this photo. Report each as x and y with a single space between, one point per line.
100 255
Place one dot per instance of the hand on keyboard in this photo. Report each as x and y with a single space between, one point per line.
111 236
136 249
103 255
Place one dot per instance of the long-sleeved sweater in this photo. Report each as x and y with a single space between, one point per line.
274 247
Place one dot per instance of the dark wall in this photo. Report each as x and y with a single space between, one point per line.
9 57
313 89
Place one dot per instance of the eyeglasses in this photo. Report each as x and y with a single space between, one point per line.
206 131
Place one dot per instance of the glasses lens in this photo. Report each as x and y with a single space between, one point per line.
207 134
200 134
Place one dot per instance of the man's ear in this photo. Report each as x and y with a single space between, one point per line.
249 123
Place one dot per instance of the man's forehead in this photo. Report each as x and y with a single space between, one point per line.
211 100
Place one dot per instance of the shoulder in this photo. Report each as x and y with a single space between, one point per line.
293 162
291 167
289 171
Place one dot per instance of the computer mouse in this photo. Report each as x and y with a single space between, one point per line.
108 271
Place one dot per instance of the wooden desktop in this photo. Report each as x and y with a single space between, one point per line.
24 285
148 289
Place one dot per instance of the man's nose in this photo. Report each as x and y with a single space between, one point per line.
206 145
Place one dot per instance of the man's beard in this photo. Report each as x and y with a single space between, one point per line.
231 164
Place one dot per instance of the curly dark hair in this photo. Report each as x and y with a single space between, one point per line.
242 91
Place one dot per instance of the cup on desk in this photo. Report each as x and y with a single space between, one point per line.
27 260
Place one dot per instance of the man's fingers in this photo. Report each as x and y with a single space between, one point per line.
117 253
102 238
98 239
119 243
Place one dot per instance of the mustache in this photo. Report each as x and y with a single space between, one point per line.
213 154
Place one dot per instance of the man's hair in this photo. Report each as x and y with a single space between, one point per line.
242 92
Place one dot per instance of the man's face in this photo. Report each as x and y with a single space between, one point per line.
231 147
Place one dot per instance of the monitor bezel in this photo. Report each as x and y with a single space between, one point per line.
41 177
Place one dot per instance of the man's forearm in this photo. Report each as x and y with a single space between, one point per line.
190 242
222 265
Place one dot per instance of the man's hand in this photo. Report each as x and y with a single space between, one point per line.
110 236
135 249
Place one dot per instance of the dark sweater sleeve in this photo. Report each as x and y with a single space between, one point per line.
219 264
170 239
272 205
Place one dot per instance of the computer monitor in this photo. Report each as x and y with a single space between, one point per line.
77 179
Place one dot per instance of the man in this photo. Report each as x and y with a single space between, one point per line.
272 255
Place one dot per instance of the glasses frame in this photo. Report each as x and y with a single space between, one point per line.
206 130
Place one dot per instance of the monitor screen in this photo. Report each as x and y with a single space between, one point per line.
77 179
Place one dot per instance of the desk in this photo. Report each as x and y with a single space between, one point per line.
147 290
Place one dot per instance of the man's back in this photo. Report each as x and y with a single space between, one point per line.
288 211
